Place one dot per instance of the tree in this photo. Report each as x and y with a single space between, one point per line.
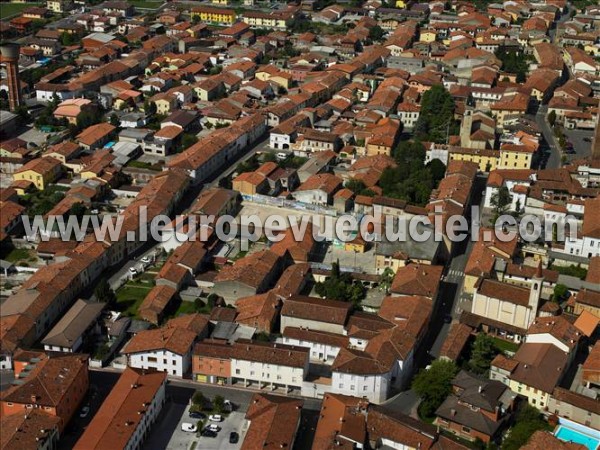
77 210
188 140
513 61
104 292
87 119
218 404
149 107
263 336
483 352
433 385
114 120
359 188
376 33
386 278
67 39
528 421
198 398
411 180
500 201
23 115
560 292
436 120
341 286
552 118
437 169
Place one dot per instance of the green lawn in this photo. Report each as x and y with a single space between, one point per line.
185 308
130 297
146 4
12 9
21 254
505 346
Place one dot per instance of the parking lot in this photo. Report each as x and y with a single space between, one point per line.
168 433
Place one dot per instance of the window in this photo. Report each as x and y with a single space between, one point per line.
341 386
237 371
466 430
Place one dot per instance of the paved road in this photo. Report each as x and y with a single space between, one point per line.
260 146
554 159
561 19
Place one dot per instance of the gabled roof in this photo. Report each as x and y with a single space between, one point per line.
119 416
73 324
175 340
417 279
273 422
49 382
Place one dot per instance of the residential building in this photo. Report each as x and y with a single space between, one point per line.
71 331
272 422
35 429
533 372
280 367
167 349
39 171
128 412
314 314
95 136
218 16
55 385
476 408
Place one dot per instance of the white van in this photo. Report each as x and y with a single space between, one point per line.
190 427
281 156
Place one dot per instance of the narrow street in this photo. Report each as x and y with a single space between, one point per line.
554 157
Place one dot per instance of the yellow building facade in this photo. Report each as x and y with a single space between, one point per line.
214 15
486 159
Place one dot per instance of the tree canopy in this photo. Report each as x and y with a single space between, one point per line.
376 33
412 180
528 421
433 385
436 120
104 292
513 61
341 286
484 350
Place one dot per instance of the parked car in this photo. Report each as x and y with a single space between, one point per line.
133 271
228 406
587 139
189 427
84 411
213 427
197 415
209 433
233 437
215 418
146 260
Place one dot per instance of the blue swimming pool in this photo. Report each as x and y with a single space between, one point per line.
569 435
